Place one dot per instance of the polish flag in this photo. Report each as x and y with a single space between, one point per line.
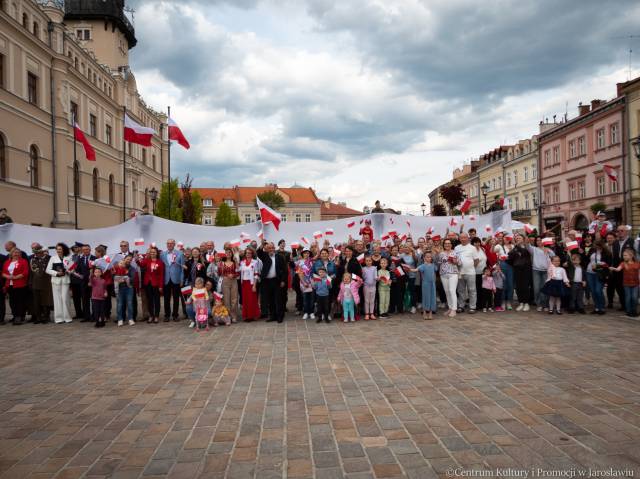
78 134
488 229
435 238
245 238
138 242
217 296
221 254
175 133
385 237
611 172
351 225
304 240
547 241
360 258
453 222
508 237
465 206
317 278
403 237
399 272
430 230
392 233
328 232
295 245
267 215
234 243
200 295
186 290
571 245
317 234
578 235
528 228
135 133
107 259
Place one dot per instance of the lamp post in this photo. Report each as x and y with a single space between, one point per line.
423 207
484 189
539 208
154 197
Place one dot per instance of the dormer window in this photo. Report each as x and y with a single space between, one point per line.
207 202
229 202
83 34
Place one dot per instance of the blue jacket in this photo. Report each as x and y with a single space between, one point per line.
173 271
331 267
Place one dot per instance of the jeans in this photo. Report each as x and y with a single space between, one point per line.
596 286
539 278
125 302
631 300
450 284
411 287
467 285
576 302
507 289
349 309
307 302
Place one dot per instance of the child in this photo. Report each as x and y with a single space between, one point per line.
307 295
384 287
577 278
427 272
630 280
498 280
220 312
322 287
555 286
98 297
200 302
488 290
123 275
370 276
349 297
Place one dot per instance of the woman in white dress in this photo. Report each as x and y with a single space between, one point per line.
58 267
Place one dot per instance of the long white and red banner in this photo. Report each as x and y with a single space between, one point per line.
158 230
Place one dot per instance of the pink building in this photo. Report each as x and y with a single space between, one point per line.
571 160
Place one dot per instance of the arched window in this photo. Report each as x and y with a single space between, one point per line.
96 192
153 162
76 178
3 158
36 29
111 189
25 20
133 194
33 166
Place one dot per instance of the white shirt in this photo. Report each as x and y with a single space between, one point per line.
577 276
482 264
467 254
272 269
248 273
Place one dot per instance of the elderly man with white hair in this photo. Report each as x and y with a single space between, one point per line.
469 258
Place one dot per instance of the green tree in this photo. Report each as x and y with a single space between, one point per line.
271 198
162 207
226 216
188 210
438 210
196 201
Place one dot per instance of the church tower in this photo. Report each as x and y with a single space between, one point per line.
102 27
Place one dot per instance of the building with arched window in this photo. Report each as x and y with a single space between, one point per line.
89 46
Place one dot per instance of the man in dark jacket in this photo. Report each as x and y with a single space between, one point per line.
273 277
80 281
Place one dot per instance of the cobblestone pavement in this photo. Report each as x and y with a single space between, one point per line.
387 398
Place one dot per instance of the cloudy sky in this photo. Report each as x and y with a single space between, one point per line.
369 99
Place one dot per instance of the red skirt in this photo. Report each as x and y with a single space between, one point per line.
250 304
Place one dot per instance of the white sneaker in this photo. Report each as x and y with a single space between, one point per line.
312 316
491 310
526 307
192 324
120 322
131 322
520 306
413 310
345 320
353 320
484 310
539 309
419 305
306 316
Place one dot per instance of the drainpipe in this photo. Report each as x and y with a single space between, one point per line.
54 179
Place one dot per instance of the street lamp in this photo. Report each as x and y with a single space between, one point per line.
154 197
485 189
423 207
636 147
539 208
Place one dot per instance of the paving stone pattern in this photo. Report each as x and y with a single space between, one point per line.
401 397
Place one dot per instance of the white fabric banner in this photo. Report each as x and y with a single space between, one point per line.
154 229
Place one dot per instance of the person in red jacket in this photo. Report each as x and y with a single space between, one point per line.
152 281
16 275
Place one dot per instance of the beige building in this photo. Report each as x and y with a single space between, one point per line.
490 176
521 180
631 91
55 64
300 204
467 176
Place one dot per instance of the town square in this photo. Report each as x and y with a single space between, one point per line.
319 239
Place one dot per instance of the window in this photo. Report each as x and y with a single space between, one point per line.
1 70
283 216
613 134
581 146
258 217
144 157
247 218
572 149
206 220
107 135
493 184
515 178
134 189
3 159
556 155
534 171
547 196
153 162
207 202
76 178
508 180
307 217
517 203
146 196
298 218
526 201
526 174
600 185
36 29
33 166
25 20
614 186
93 125
229 202
95 185
556 194
582 192
547 157
533 199
572 191
75 62
111 189
74 112
600 139
499 182
32 88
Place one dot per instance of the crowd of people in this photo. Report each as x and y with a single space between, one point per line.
363 278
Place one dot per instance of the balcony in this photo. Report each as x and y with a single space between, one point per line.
517 214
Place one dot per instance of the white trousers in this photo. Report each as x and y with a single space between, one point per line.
61 303
450 285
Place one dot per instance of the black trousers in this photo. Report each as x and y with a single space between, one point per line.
3 307
76 295
85 291
522 279
323 307
108 302
18 301
99 309
273 297
480 302
614 285
396 303
153 301
171 290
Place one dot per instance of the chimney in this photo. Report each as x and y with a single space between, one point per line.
595 104
619 88
583 109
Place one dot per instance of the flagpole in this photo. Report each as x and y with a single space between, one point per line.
169 158
76 180
124 169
